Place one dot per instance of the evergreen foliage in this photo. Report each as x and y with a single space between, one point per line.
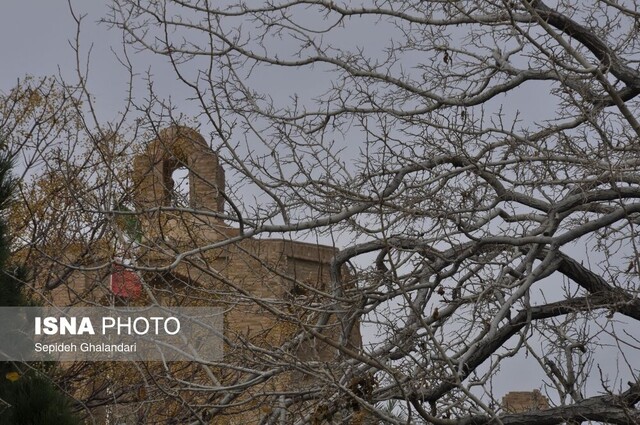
27 395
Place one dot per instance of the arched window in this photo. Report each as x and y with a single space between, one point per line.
177 182
181 195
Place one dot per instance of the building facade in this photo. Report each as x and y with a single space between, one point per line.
182 252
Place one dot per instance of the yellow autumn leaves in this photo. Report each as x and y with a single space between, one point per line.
12 376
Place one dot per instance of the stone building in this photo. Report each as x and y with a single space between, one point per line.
264 285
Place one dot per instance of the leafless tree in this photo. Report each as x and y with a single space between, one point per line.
476 163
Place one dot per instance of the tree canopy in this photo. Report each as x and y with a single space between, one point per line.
475 162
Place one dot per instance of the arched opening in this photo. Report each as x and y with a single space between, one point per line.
180 190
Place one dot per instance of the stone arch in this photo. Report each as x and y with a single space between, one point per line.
176 147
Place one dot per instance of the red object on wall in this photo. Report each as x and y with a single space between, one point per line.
125 283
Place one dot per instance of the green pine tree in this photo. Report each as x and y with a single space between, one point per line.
27 395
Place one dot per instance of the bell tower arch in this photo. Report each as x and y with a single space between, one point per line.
168 214
175 148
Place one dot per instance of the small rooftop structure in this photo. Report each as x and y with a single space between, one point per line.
524 401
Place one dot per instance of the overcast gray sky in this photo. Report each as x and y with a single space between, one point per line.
36 37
